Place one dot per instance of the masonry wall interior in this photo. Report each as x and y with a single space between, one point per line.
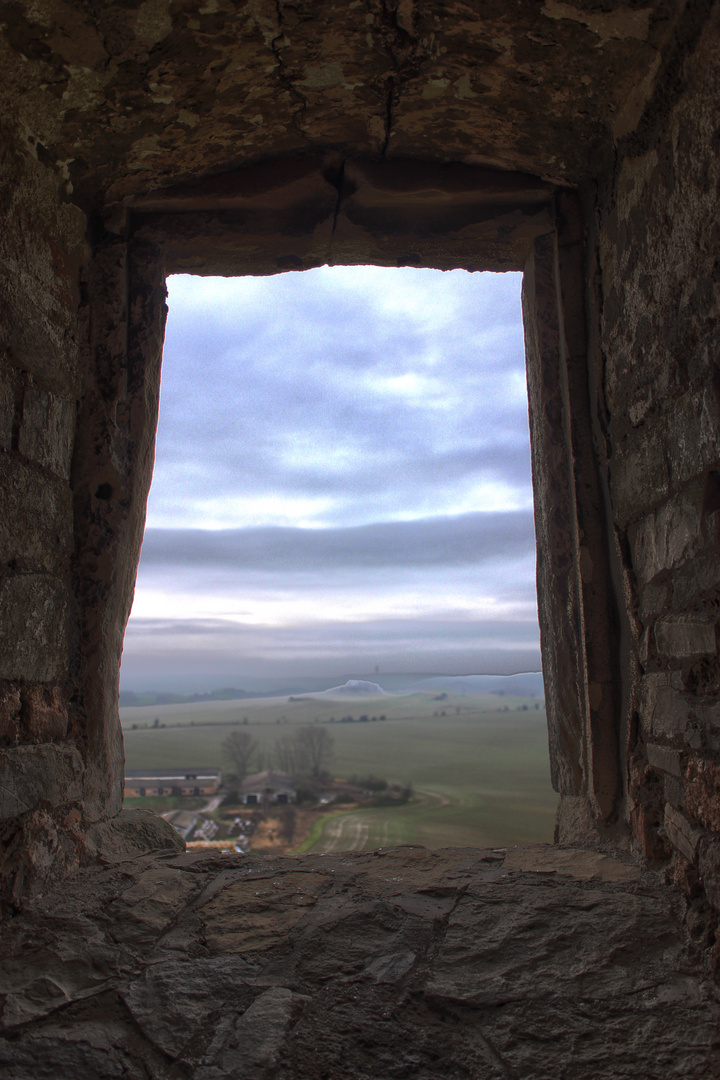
621 297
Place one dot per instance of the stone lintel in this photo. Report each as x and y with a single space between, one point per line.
304 213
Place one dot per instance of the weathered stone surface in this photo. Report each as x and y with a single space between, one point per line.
33 774
709 867
664 705
47 1059
7 409
39 510
665 758
131 834
668 536
9 714
45 715
254 1043
47 429
702 787
207 86
176 997
33 625
581 865
683 834
639 474
673 790
686 635
537 963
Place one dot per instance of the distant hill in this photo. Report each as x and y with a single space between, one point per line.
526 684
354 688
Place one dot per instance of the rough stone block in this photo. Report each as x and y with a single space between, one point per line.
9 713
189 990
36 345
639 475
673 790
692 427
709 867
709 716
653 601
131 834
681 636
33 774
47 429
7 411
696 578
575 822
663 705
665 759
702 791
33 628
682 833
36 525
694 737
44 713
644 824
668 536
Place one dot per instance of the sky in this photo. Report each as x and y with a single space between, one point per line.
342 482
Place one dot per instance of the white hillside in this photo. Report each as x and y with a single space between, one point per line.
358 688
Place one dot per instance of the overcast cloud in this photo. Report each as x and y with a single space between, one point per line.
480 538
342 474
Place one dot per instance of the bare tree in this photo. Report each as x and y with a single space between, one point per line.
315 748
240 747
285 754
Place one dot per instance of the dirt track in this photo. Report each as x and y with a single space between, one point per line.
365 830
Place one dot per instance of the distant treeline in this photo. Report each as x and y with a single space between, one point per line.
129 699
364 719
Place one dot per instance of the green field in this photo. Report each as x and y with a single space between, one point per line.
480 772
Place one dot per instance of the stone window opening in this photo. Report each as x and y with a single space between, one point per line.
300 213
443 363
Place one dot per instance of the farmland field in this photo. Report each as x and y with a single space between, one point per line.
478 764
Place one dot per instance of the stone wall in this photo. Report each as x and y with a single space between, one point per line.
42 253
654 283
579 143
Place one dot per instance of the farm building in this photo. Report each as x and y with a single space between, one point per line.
140 783
267 787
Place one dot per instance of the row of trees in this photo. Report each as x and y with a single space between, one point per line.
306 752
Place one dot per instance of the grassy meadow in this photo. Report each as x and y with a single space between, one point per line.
478 764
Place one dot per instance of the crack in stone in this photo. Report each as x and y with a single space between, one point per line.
284 78
388 116
498 1059
337 183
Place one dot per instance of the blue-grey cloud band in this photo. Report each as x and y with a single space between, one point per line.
443 541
